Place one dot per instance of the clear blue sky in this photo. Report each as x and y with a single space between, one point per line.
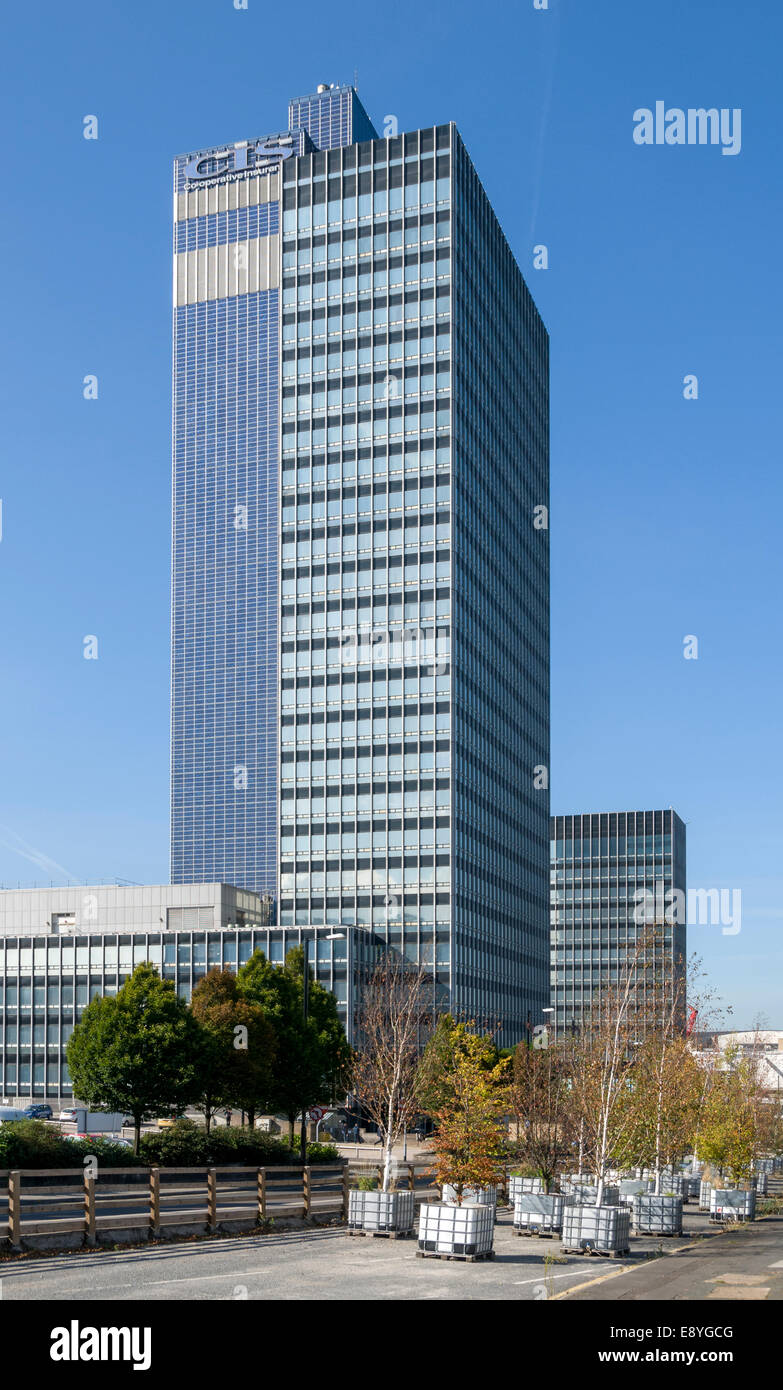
666 514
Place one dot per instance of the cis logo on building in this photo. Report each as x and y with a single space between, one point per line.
253 155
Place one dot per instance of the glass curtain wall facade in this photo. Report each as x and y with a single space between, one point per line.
412 698
500 622
607 872
47 981
225 514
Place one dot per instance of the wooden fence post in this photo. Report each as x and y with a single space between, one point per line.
306 1190
15 1209
89 1207
211 1199
154 1202
411 1177
262 1194
346 1190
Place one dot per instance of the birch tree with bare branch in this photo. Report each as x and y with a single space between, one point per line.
603 1058
395 1021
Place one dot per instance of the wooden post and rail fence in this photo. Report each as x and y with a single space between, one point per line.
51 1202
142 1203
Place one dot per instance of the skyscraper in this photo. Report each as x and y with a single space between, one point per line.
360 687
613 878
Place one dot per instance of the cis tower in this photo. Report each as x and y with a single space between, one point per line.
360 588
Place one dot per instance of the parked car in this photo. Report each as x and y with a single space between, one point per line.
68 1116
37 1112
167 1121
7 1115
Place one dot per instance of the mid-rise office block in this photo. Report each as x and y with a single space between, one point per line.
614 877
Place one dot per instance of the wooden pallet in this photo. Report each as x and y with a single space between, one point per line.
385 1235
532 1231
441 1255
603 1254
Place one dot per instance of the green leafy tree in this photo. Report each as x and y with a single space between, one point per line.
138 1051
730 1135
239 1045
437 1062
470 1142
312 1060
334 1052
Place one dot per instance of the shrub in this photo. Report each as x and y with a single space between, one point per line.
316 1152
31 1144
187 1145
366 1183
109 1154
182 1146
322 1153
248 1147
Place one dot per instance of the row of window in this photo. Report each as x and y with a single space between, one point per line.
416 488
371 277
314 254
611 845
348 358
347 389
421 839
336 211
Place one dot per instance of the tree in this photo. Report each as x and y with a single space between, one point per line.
542 1099
664 1101
603 1057
312 1059
469 1141
137 1051
728 1132
732 1128
335 1055
239 1047
434 1062
447 1040
394 1019
663 1094
712 1014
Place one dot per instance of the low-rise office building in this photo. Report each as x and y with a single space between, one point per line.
60 947
762 1045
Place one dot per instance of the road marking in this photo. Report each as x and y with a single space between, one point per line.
191 1279
777 1265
